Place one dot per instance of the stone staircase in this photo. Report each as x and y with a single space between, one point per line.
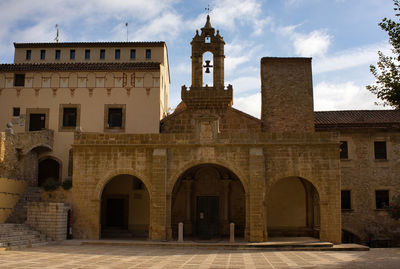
17 236
19 213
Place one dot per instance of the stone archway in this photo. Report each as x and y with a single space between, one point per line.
124 208
207 198
49 168
293 208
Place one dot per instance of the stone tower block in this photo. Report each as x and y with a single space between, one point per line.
287 95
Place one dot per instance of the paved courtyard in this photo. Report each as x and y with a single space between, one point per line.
106 256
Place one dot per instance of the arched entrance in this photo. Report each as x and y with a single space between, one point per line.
207 198
293 208
48 169
125 208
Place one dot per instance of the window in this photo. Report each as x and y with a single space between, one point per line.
36 119
87 54
58 54
133 53
148 53
114 117
117 53
343 150
346 199
28 54
16 111
207 39
42 54
102 54
381 199
19 80
380 150
69 117
72 54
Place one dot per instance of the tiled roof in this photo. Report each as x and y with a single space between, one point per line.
357 119
78 66
89 44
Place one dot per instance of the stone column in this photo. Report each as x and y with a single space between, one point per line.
188 186
158 212
226 190
256 189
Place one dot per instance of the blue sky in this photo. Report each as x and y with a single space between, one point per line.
342 37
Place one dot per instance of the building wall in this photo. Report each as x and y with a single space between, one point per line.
362 174
287 95
258 160
91 91
157 54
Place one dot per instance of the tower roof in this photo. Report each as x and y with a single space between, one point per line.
208 23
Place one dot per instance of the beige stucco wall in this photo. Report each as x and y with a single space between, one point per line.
142 104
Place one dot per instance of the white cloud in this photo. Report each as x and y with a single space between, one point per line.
313 44
250 104
246 84
342 96
364 55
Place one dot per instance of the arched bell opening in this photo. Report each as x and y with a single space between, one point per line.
125 208
293 209
206 199
208 69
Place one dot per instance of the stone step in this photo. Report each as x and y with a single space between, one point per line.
16 236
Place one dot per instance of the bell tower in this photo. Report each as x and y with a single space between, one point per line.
200 96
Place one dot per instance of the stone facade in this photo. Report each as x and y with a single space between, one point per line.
49 218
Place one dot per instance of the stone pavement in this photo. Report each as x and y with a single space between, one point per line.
108 256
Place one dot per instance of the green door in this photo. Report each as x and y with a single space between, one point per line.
207 216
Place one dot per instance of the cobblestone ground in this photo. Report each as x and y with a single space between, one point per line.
97 256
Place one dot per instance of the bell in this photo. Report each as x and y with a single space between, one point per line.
207 70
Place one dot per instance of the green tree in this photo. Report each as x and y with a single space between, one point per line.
387 69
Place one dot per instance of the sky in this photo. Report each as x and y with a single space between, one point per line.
341 36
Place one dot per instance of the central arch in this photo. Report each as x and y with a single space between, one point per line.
207 198
125 208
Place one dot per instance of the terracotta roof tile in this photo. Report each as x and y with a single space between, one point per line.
89 44
78 66
357 119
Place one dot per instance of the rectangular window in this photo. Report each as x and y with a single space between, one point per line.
37 121
380 150
87 54
72 54
19 80
102 54
381 199
343 150
16 111
69 116
133 54
346 199
148 53
28 54
58 54
115 117
117 54
42 54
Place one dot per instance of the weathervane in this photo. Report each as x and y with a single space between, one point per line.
208 9
126 24
58 34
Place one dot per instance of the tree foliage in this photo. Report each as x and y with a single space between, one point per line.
387 69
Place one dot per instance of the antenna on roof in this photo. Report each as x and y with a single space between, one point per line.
58 34
126 24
